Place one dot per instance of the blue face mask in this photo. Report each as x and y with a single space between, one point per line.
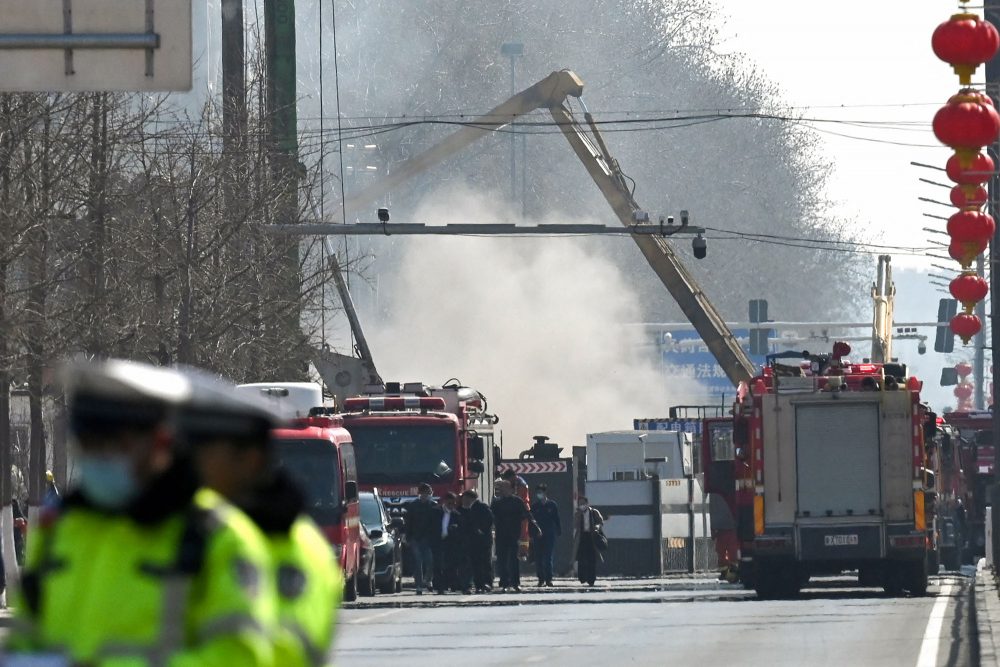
108 481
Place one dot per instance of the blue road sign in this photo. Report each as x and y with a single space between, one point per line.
685 355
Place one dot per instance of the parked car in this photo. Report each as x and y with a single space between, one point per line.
386 542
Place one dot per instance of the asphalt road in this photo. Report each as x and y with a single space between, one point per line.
833 623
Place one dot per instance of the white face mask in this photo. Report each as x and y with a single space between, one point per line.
583 506
539 496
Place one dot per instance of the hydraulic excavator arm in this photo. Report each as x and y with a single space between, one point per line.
552 93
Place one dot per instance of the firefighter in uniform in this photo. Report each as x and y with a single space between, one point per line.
229 434
137 566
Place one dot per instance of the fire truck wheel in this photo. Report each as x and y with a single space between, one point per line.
777 581
351 588
934 561
892 581
916 578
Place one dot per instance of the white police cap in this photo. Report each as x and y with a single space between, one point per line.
105 393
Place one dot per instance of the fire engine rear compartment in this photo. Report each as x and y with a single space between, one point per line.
838 483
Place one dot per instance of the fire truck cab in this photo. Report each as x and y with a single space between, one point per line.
318 453
405 434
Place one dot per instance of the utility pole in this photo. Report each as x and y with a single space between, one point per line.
279 48
514 50
234 85
979 360
992 14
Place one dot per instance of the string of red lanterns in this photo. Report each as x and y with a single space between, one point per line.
967 123
964 390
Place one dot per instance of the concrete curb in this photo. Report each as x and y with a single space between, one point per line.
986 602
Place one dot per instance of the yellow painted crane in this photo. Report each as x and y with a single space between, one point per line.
552 93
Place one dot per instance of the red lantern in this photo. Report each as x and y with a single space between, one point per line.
965 326
969 196
973 170
970 289
968 226
964 369
963 392
966 123
965 41
965 252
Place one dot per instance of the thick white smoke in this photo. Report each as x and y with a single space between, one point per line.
536 324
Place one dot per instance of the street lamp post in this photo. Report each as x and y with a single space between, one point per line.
514 50
992 14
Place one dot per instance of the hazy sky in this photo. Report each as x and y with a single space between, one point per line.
859 61
862 61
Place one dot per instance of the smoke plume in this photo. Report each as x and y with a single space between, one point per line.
536 324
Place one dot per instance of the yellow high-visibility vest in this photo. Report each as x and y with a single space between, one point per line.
193 590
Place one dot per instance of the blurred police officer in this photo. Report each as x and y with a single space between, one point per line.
230 439
137 566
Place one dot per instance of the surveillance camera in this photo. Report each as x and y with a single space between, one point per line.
684 217
921 348
700 247
383 215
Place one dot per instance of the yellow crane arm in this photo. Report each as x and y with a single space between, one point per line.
551 93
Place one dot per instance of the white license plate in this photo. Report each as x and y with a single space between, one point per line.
840 540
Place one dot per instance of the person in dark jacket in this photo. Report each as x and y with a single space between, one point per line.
589 522
546 515
421 524
450 547
477 519
508 513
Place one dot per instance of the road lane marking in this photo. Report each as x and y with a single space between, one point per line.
374 616
932 635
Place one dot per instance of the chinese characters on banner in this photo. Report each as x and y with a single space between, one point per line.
685 355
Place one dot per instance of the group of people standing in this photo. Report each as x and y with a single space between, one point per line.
451 541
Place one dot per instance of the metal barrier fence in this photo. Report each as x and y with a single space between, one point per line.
655 526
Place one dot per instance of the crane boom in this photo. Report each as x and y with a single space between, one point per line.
883 297
551 93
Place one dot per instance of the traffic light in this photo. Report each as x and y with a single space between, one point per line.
944 338
758 311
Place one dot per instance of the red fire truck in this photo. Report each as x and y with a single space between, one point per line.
317 452
405 434
830 473
971 440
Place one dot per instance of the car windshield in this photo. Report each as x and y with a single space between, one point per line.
370 514
313 464
404 454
